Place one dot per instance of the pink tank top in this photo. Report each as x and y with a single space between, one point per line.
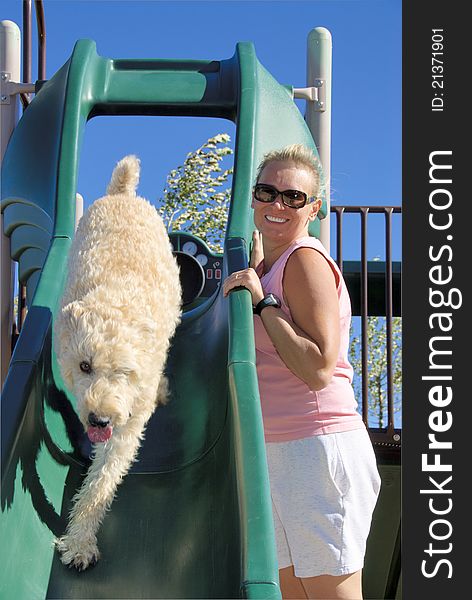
290 409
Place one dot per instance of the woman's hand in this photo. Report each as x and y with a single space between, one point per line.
257 254
248 279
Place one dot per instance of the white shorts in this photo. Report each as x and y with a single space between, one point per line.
324 489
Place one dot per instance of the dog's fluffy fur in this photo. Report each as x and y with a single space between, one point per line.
119 311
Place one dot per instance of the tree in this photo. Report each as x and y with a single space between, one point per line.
377 367
191 201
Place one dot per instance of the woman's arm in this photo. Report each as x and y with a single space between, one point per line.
309 342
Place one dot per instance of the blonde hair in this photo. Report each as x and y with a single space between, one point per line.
302 156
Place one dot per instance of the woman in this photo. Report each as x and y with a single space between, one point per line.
323 475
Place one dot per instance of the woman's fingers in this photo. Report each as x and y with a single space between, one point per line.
257 254
256 237
247 279
237 279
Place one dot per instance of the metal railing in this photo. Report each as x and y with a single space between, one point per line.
389 436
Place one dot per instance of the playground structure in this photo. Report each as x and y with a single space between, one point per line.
193 518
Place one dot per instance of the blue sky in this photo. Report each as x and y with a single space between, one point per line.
367 93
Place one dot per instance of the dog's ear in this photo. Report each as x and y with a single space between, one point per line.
65 324
64 329
71 313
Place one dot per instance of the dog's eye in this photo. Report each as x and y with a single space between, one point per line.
85 367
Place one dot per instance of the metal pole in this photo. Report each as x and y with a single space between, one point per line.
364 318
318 112
27 40
388 318
10 53
41 39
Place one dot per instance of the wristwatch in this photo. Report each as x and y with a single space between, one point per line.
269 300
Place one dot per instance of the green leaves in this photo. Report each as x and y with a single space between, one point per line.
377 367
197 194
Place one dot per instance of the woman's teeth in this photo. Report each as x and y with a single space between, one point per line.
275 219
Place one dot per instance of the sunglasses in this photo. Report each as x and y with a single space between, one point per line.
291 198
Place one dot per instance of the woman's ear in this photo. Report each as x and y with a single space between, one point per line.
315 207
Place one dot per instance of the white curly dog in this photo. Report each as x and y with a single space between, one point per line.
119 311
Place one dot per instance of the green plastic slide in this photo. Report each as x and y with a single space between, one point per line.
193 517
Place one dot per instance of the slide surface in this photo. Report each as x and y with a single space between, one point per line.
174 529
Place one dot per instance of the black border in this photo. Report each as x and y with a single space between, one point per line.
426 131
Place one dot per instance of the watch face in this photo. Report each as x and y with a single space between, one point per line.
269 300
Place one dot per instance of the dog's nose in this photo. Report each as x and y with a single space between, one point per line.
95 421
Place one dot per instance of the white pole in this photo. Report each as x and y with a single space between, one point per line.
10 56
318 111
79 208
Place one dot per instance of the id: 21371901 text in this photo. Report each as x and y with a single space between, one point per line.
437 69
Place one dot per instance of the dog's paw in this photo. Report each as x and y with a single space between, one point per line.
77 553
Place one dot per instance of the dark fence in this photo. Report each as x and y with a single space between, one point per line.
375 290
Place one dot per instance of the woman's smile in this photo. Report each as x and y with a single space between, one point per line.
273 219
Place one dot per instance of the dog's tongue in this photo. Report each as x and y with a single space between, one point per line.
99 435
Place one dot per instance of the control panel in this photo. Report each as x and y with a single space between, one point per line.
205 262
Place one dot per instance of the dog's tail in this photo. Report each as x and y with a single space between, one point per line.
125 177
